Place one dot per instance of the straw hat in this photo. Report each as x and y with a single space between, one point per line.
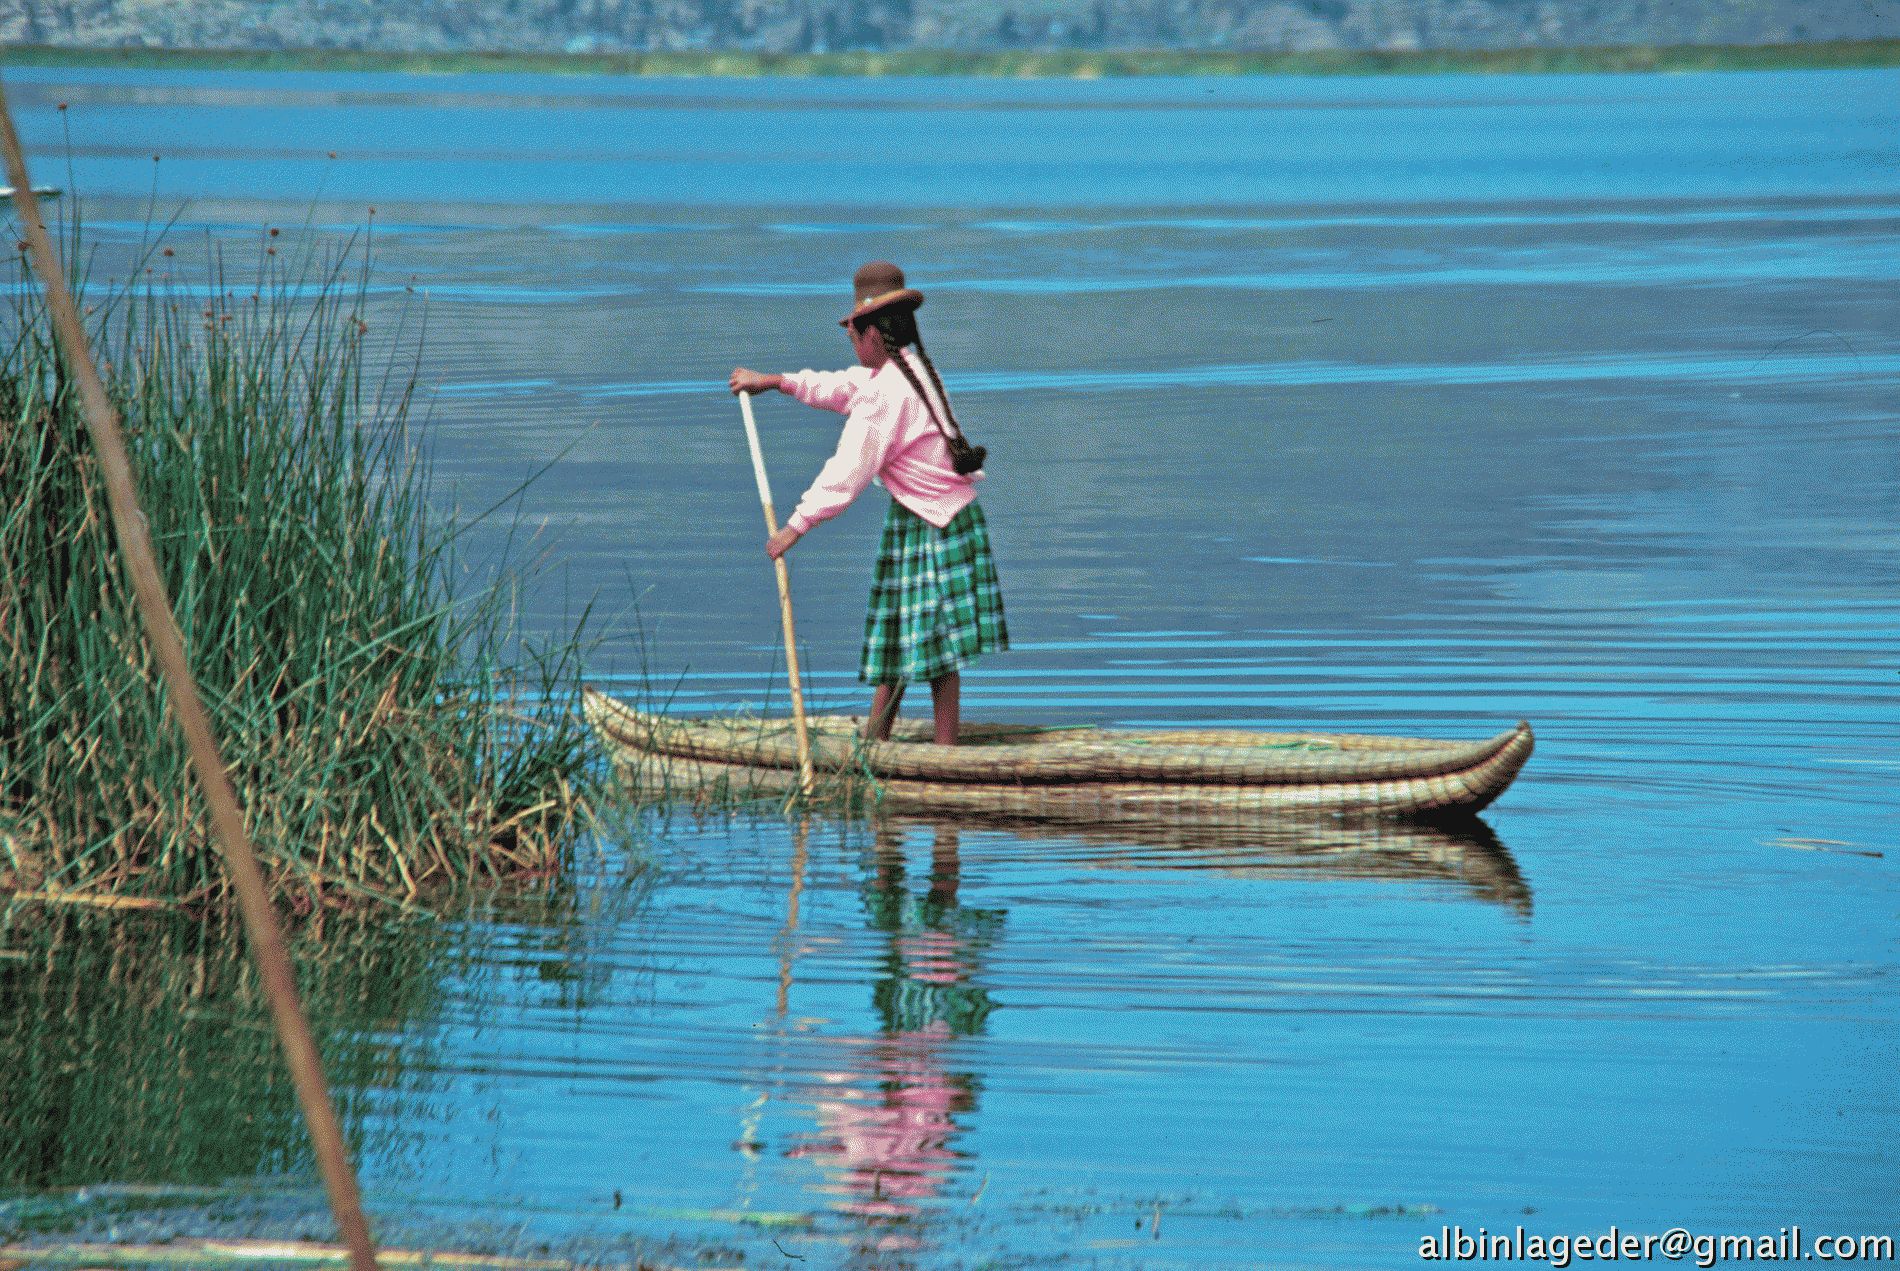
877 286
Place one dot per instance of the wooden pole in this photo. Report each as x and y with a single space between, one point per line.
168 651
784 597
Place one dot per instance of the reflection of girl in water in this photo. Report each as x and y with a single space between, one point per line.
886 1128
884 1133
934 943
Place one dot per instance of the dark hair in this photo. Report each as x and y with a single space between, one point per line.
898 329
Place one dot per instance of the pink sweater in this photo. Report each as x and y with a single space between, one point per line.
887 435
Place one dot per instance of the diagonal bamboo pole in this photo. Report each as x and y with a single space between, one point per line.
168 651
784 597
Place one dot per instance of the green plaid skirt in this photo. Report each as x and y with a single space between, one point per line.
935 600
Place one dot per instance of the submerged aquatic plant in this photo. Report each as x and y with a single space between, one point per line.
385 733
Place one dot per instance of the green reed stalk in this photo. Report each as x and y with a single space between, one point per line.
386 735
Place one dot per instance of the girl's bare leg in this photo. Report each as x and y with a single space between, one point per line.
945 703
883 712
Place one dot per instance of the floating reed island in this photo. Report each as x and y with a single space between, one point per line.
387 734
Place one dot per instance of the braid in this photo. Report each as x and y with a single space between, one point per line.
898 330
938 381
893 346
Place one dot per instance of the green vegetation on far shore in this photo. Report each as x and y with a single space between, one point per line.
1011 64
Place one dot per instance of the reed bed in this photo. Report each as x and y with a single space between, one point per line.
388 734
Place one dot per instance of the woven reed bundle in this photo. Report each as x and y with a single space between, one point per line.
1074 774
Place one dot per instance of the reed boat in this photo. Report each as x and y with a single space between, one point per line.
1197 776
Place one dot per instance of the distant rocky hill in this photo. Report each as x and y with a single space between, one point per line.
832 25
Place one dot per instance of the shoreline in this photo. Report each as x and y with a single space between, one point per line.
1065 64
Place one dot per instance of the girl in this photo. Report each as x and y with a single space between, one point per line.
935 600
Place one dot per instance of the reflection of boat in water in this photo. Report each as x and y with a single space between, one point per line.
1100 774
1468 852
887 1122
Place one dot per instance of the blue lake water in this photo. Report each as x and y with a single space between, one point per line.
1407 404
